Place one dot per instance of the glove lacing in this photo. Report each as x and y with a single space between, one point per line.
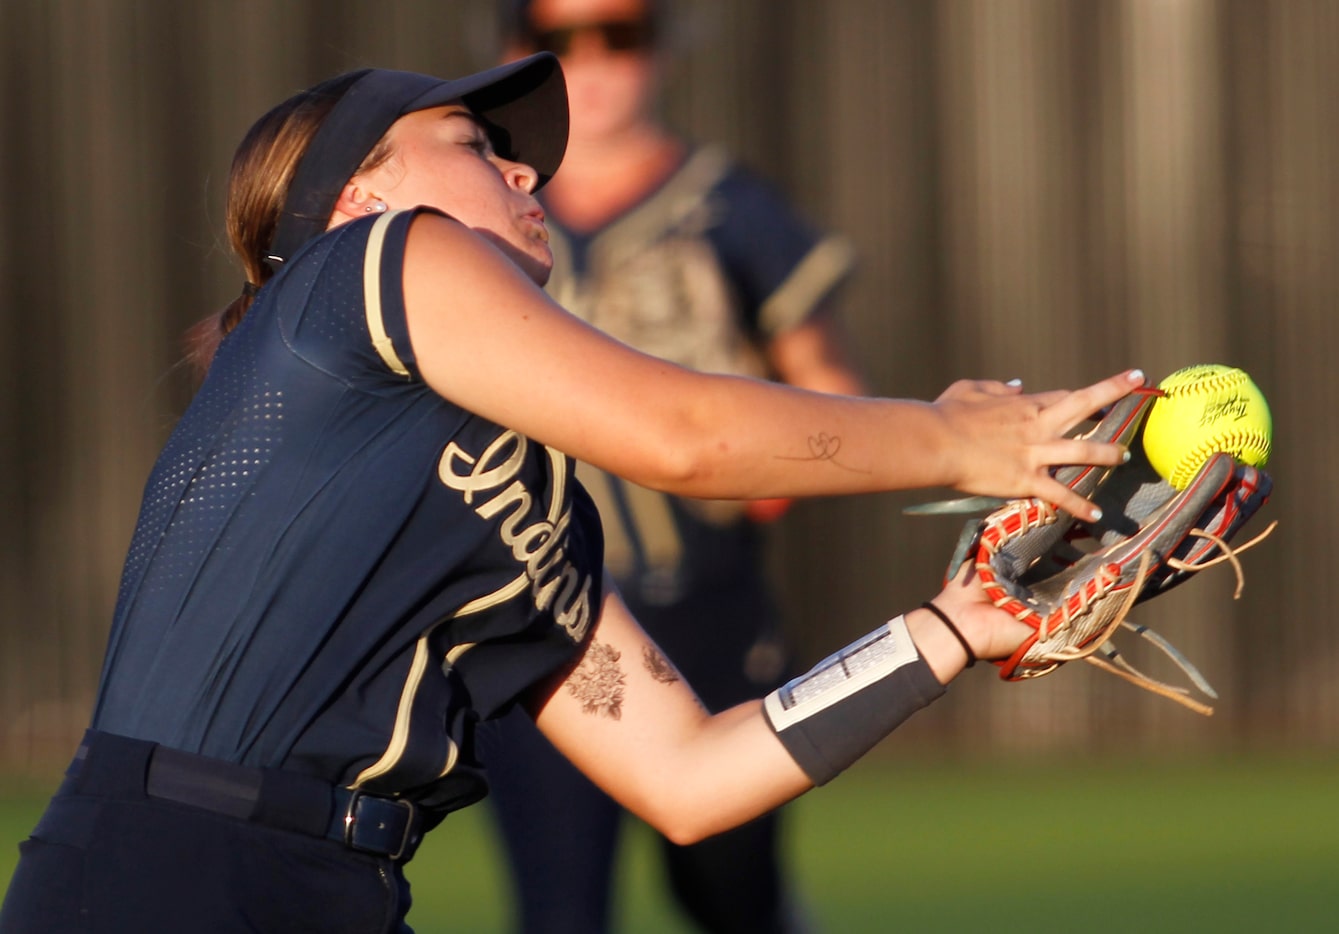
1106 577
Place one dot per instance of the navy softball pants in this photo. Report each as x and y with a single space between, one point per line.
106 858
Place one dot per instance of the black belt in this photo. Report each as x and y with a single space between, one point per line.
362 821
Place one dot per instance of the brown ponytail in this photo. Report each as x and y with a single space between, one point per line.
258 182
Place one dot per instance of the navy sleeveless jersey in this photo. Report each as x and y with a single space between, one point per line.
336 570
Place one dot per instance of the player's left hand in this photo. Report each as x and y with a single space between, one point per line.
1008 442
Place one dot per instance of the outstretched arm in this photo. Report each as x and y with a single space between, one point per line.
489 339
627 719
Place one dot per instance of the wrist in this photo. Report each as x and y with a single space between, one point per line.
942 652
953 629
990 633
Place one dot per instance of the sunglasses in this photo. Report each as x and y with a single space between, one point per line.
623 35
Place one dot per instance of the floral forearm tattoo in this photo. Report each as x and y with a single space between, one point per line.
598 682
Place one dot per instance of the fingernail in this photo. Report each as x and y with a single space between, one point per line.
1125 456
1097 515
1136 376
1015 382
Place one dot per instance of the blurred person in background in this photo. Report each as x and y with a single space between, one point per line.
677 250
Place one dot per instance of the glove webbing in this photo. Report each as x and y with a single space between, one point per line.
1031 514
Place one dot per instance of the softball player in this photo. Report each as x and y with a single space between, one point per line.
677 250
365 535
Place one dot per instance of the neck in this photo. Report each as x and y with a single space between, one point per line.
601 178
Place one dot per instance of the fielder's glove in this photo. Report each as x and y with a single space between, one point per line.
1074 581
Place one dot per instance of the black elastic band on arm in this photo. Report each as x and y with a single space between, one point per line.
957 634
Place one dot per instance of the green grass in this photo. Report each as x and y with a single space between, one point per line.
1218 846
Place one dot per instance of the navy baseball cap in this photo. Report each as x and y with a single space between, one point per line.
524 104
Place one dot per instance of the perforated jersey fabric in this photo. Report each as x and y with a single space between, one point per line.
336 570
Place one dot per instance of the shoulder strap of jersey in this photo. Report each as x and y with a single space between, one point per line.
376 242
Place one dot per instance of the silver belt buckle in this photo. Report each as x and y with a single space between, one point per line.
351 817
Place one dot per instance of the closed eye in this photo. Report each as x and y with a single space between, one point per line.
475 136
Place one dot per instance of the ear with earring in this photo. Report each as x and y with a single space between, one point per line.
375 207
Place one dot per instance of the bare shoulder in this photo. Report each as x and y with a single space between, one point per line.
475 320
430 230
441 250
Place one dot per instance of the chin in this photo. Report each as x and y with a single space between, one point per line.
541 276
534 257
536 268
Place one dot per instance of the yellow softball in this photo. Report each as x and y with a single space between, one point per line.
1206 409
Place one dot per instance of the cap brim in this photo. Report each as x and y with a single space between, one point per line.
525 101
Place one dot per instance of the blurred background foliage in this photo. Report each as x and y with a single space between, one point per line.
1040 189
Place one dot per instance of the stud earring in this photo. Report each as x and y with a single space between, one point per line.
376 207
